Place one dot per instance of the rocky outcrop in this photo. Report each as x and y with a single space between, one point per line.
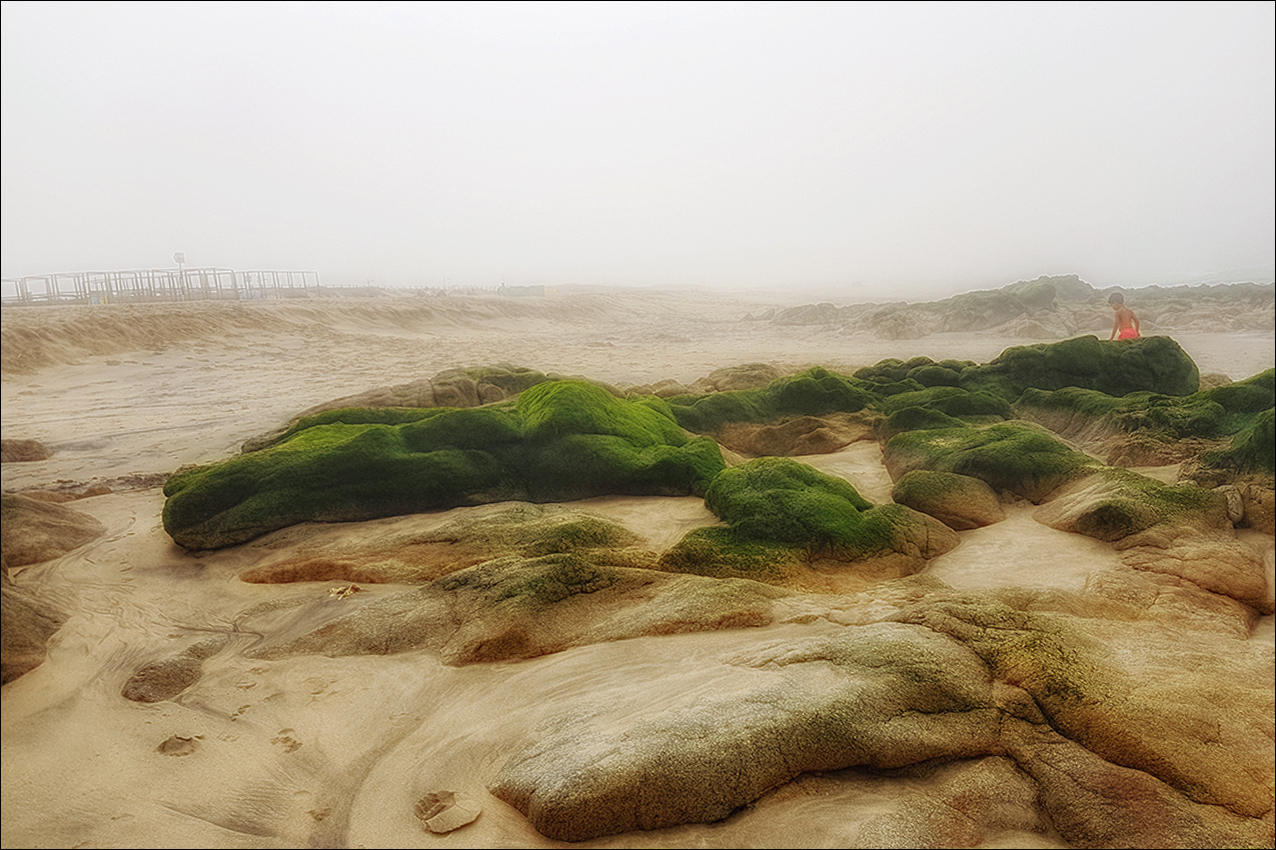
450 388
517 607
789 524
1049 307
802 435
1102 726
31 532
165 679
35 531
27 621
22 451
406 553
561 440
958 501
1184 531
883 696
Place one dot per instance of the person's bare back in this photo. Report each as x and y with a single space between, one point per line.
1125 325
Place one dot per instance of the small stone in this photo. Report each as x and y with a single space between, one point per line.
176 745
1235 503
444 811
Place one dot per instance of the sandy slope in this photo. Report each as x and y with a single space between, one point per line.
334 752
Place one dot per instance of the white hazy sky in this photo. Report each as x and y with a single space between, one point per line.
898 148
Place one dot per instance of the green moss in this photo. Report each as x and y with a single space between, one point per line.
1153 364
1132 503
363 416
934 375
564 440
557 409
478 428
780 514
953 401
1073 400
1219 412
917 418
579 466
780 500
812 393
924 485
1011 456
1253 395
890 370
1253 448
885 389
721 553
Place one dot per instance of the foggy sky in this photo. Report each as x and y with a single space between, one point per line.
901 149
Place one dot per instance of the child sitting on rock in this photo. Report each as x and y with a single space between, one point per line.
1125 325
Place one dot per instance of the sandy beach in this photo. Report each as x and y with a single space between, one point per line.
336 752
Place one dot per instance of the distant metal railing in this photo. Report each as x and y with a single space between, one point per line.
145 285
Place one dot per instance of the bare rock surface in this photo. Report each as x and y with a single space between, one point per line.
22 451
165 679
26 623
32 532
416 549
803 435
1198 545
35 531
444 811
884 696
516 608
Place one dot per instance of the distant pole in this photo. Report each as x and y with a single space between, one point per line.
179 257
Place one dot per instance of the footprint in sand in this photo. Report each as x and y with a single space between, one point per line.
286 741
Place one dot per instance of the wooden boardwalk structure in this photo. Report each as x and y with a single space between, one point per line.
131 286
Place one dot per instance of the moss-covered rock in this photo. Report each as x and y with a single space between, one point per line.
561 441
915 419
979 405
814 392
469 387
1153 364
958 501
782 514
935 375
1019 457
1112 503
1253 449
1221 425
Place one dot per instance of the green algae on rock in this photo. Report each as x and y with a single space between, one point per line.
958 501
814 392
782 515
450 388
1019 457
561 441
1153 364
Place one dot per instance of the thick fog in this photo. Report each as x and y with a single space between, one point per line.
856 150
